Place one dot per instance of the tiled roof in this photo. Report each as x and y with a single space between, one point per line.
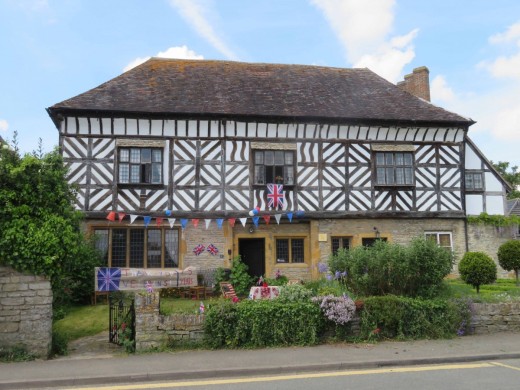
222 88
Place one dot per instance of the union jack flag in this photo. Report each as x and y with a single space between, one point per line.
275 195
108 279
199 249
212 249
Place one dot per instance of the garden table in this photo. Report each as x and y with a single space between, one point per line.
259 292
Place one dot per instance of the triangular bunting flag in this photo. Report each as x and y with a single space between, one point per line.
289 215
111 216
232 222
219 222
195 222
255 221
159 220
133 217
147 220
171 221
278 217
244 221
184 223
121 216
208 221
267 218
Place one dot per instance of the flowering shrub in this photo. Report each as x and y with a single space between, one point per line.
339 310
294 293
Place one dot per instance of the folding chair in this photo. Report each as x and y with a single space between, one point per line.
227 290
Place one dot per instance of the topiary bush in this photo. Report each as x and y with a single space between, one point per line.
262 323
477 268
509 256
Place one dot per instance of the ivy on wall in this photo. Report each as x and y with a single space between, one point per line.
494 220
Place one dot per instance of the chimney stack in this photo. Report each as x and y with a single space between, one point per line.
417 83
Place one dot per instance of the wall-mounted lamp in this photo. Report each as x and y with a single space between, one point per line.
251 229
376 231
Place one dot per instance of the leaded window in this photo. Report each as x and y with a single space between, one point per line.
140 165
274 166
290 250
394 168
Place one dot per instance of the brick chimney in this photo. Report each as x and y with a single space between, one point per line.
417 83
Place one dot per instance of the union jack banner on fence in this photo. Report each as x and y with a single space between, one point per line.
275 195
108 279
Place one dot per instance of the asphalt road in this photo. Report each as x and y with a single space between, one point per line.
497 375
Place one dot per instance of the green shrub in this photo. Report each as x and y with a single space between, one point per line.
416 270
477 268
221 275
239 277
509 256
401 317
294 293
17 353
262 323
59 345
324 287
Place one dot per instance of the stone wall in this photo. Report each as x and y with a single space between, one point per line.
496 317
25 312
487 239
153 330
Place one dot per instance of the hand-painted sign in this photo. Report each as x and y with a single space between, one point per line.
124 279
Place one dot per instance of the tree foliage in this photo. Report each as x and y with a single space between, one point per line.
509 256
477 268
415 270
39 228
511 175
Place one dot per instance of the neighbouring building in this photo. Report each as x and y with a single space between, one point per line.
189 163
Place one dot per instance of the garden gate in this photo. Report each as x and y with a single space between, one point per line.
121 320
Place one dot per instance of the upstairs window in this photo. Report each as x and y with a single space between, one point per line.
474 181
274 166
140 165
394 168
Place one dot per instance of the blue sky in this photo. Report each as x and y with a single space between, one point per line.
53 50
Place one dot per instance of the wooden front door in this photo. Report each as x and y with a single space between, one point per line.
252 252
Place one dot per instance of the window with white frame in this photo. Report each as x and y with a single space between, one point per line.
394 168
140 165
443 239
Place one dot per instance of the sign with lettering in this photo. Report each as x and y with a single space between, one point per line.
125 279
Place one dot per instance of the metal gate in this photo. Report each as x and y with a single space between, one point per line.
121 320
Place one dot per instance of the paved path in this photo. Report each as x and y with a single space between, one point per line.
86 366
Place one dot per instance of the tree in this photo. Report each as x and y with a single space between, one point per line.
509 256
512 177
477 268
39 227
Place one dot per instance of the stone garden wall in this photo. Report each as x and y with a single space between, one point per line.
25 312
496 317
153 330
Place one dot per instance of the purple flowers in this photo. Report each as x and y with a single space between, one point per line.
339 310
323 268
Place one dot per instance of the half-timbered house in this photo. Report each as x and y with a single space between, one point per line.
178 154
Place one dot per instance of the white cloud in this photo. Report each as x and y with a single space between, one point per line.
440 90
512 34
196 13
363 27
3 125
173 52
